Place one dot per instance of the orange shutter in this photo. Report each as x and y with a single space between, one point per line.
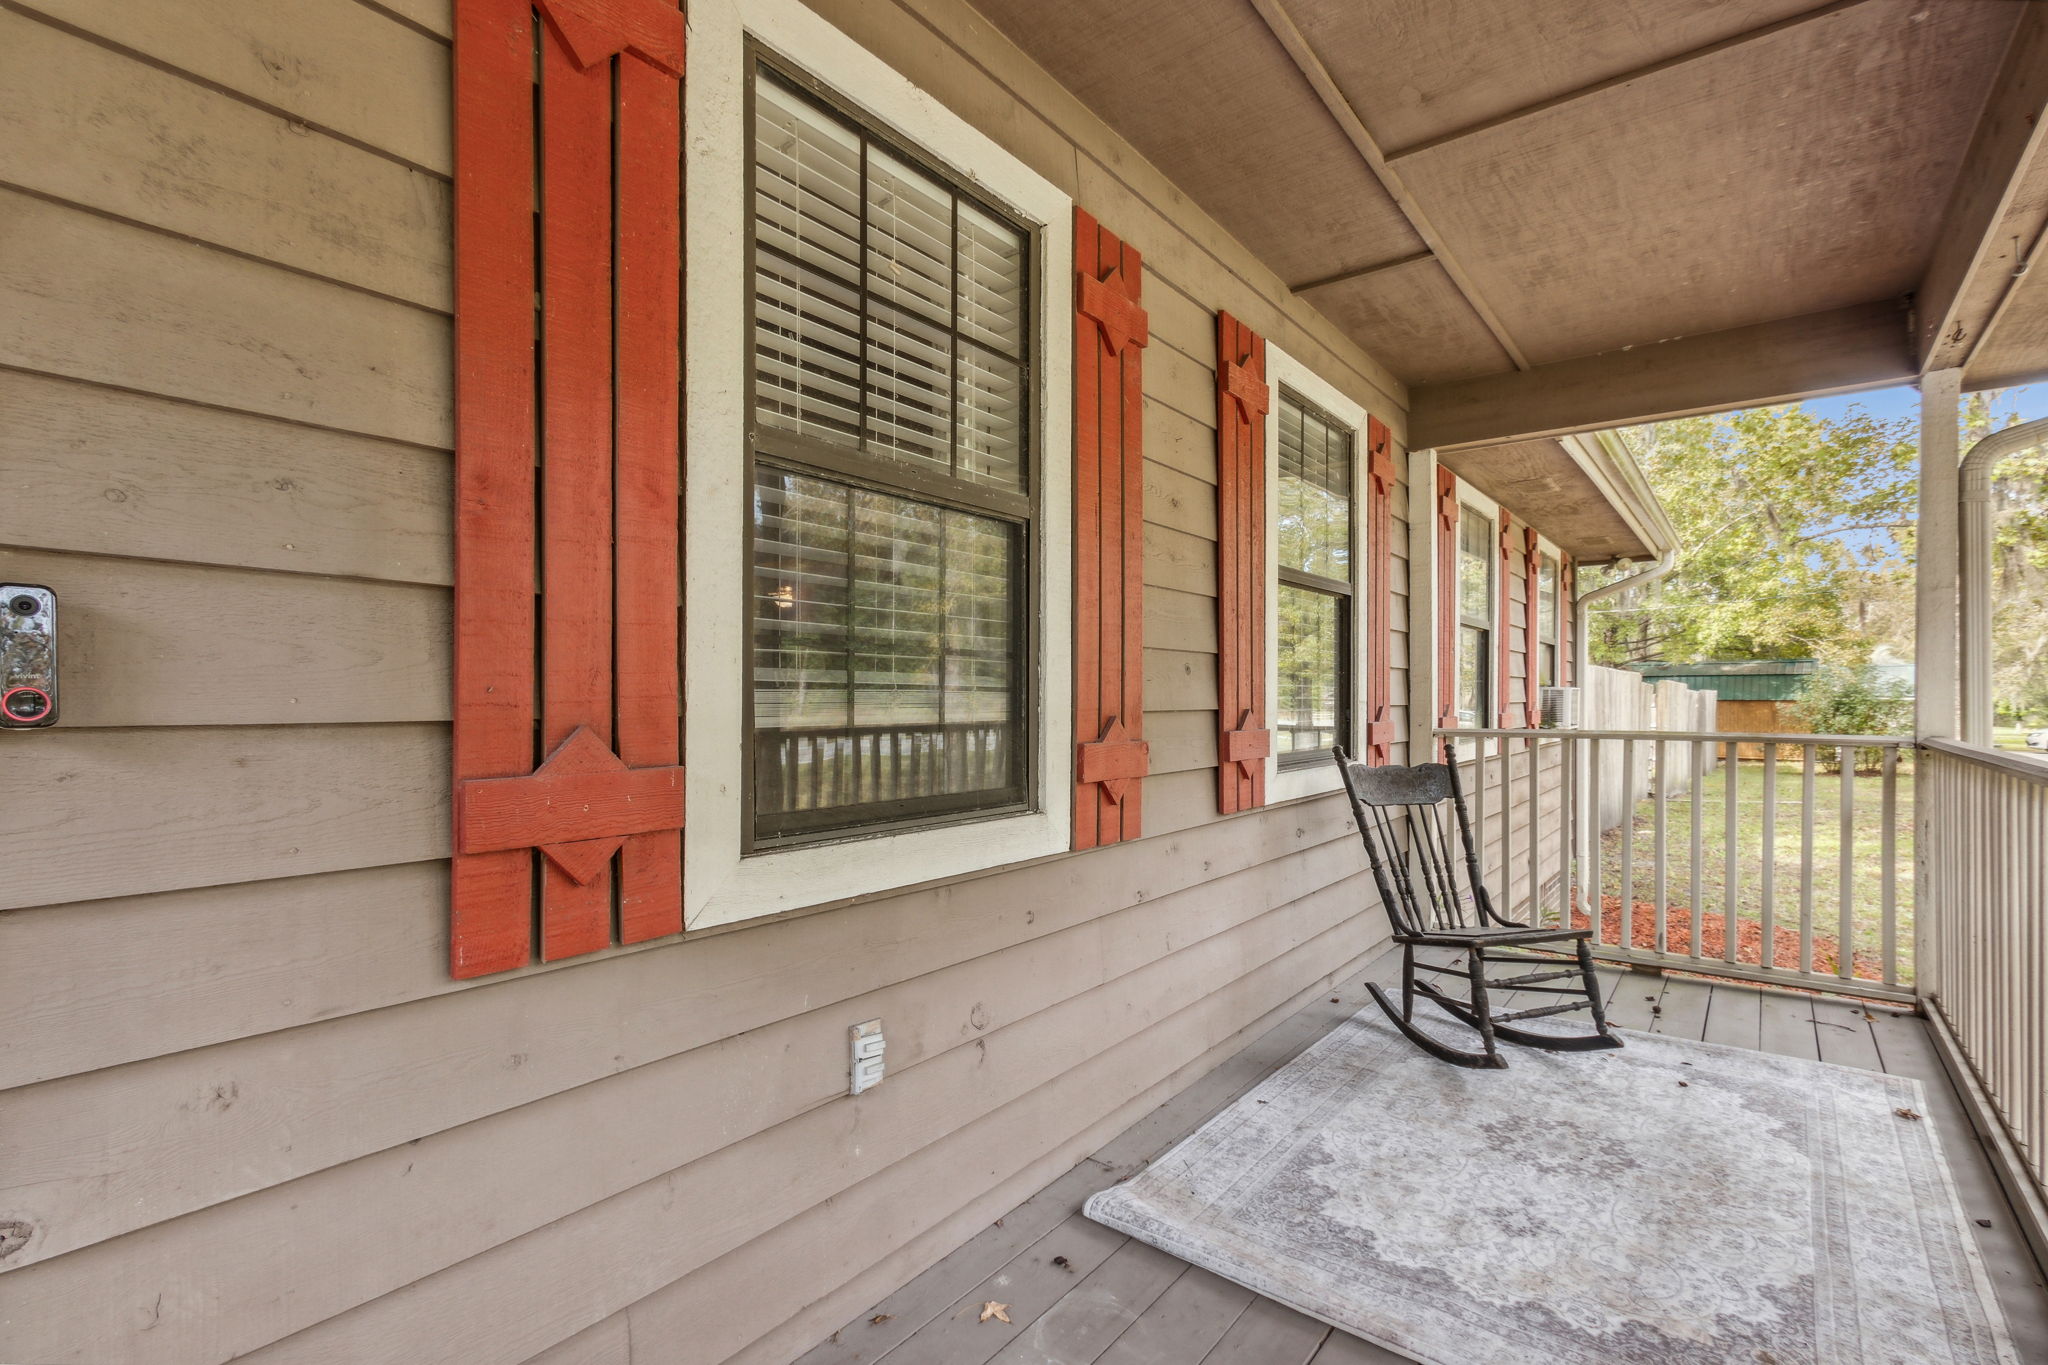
1532 627
1566 611
1503 716
1242 397
1446 597
567 690
1110 332
1381 480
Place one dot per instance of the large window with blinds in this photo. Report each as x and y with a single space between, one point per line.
1475 616
1313 541
892 485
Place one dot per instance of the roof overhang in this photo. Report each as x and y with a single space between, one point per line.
1584 493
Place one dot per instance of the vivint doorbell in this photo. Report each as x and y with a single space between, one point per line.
28 656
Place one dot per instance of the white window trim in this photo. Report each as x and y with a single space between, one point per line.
1469 500
720 886
1282 369
1545 546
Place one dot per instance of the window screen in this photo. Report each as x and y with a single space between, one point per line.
1313 543
1475 616
1546 619
892 501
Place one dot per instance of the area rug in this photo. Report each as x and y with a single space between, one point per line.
1667 1203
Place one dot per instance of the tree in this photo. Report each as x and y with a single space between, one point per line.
1791 528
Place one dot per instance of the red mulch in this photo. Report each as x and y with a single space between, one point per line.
1749 937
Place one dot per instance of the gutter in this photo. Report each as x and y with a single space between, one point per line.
1604 458
1974 578
1582 645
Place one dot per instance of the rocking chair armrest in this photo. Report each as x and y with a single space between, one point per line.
1489 937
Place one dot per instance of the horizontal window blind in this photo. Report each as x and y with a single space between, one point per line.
890 308
1315 492
1313 542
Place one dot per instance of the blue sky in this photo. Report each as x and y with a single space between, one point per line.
2029 401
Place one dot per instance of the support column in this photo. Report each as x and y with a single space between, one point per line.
1423 590
1936 677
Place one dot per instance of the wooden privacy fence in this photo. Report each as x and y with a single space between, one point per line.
1984 968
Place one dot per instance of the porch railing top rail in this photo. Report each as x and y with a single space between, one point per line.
2019 765
1706 736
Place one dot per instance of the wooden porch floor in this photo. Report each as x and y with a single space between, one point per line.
1080 1294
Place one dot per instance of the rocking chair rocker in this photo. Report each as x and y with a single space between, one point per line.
1418 884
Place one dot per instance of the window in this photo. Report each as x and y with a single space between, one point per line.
892 491
1546 620
1313 539
1475 616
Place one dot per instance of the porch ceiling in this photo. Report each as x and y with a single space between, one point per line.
1472 190
1548 489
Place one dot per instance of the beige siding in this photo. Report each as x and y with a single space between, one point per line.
250 1114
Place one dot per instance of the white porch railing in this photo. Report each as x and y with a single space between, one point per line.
1984 952
1780 859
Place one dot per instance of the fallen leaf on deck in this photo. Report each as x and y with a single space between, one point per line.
1906 1114
999 1311
879 1318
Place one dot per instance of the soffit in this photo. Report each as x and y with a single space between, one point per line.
1543 485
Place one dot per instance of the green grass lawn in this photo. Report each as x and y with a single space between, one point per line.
2012 737
1792 879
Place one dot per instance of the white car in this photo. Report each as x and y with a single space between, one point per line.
2038 739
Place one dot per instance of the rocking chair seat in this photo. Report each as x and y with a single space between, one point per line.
1488 933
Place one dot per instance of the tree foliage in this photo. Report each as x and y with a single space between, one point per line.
1796 540
1784 519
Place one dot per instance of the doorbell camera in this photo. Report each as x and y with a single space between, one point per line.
28 656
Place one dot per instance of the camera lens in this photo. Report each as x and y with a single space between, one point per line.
24 605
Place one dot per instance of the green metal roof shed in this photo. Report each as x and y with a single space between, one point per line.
1738 679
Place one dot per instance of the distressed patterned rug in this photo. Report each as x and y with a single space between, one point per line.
1668 1203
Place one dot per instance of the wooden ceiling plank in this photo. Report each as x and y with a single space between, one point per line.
1997 215
1838 351
1624 78
1318 75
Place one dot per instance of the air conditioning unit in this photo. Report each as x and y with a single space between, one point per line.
1559 707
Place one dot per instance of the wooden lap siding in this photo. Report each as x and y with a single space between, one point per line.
244 955
1111 330
604 536
1532 628
1242 398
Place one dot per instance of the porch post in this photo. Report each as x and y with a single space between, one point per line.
1422 605
1935 659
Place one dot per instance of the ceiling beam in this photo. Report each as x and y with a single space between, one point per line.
1859 347
1291 37
1626 77
1997 212
1342 276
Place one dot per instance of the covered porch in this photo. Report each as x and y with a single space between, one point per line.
1082 1294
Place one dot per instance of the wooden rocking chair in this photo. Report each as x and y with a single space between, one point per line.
1401 817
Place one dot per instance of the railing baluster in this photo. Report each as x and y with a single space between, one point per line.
1696 797
1595 843
1659 796
1810 759
1845 945
1535 757
1890 866
1628 843
1767 928
1731 913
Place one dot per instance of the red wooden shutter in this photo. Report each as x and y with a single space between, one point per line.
1503 716
567 689
1532 627
1381 479
1566 666
1110 332
1242 397
1446 598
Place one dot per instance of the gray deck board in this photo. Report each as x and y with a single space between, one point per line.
1118 1302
